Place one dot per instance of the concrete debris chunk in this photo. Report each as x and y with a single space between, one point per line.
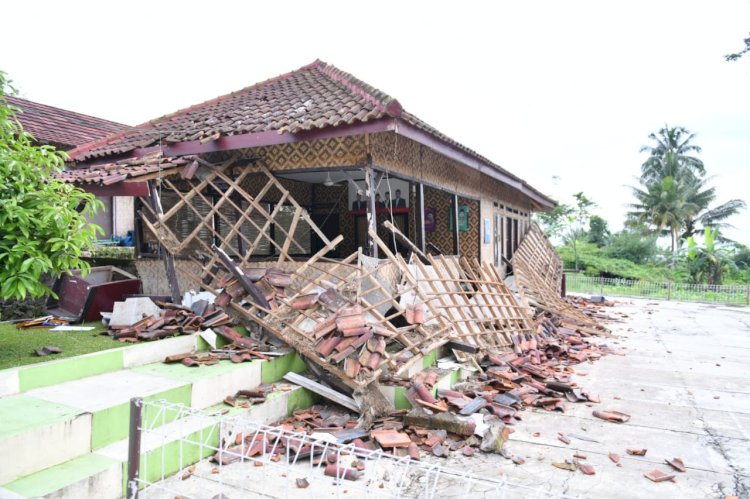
494 437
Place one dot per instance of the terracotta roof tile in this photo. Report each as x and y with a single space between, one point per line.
315 96
63 128
111 173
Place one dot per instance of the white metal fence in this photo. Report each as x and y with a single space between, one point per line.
173 442
736 294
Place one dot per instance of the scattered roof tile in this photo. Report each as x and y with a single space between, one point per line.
110 173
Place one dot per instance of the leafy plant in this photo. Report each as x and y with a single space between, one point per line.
43 225
707 261
632 246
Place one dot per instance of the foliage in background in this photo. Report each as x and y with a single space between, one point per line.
598 231
633 246
43 227
674 196
708 260
596 262
568 222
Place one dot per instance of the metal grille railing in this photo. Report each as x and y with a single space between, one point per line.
735 294
170 444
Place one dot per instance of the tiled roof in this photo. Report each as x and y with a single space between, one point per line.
64 129
315 96
111 173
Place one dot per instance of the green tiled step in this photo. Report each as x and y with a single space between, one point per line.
103 472
51 425
21 379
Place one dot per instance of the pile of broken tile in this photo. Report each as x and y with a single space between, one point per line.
346 336
238 349
476 415
269 283
147 320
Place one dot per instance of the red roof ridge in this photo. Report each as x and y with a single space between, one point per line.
384 102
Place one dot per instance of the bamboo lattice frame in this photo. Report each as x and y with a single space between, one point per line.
354 283
471 296
538 273
538 255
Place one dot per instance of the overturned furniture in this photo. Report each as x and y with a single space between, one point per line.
81 299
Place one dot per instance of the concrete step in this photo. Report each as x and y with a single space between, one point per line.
51 425
164 451
53 372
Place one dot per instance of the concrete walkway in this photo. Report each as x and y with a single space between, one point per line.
685 381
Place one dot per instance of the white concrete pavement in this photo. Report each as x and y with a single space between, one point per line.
685 381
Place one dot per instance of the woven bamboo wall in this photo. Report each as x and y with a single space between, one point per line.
404 156
335 152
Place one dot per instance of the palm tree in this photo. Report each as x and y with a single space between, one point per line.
663 204
672 155
705 217
674 196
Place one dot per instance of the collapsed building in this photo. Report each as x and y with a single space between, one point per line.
313 206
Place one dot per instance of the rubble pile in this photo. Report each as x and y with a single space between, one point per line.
163 320
237 350
477 415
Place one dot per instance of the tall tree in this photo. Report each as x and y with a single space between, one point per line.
701 196
43 226
598 231
671 155
674 196
664 204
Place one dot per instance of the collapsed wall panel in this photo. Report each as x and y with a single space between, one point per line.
339 314
470 296
537 271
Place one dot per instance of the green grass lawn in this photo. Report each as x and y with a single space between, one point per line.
17 346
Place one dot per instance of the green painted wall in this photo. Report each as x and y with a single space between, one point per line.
60 371
278 367
111 424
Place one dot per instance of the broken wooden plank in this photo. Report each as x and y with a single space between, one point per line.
237 272
323 391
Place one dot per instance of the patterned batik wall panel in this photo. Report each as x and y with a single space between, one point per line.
335 152
469 241
300 191
396 154
442 236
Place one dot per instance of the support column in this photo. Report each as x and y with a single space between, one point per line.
174 287
421 236
456 246
372 224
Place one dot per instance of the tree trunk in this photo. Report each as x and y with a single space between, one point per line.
674 246
575 252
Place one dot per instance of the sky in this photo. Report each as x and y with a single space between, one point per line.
562 94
